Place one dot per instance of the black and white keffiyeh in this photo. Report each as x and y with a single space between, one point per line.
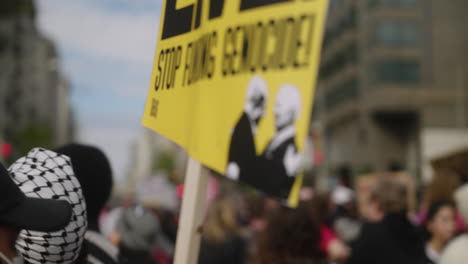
46 174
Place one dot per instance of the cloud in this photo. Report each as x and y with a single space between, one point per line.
94 29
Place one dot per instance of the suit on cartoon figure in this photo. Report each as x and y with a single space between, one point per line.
280 162
242 151
273 172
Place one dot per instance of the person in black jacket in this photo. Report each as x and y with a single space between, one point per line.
394 239
242 151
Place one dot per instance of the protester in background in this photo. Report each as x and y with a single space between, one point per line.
259 209
138 230
367 208
109 225
457 251
46 174
394 239
292 236
345 217
168 225
93 170
257 215
330 244
442 188
18 211
221 240
164 251
439 228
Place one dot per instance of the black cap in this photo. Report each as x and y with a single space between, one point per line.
93 170
18 210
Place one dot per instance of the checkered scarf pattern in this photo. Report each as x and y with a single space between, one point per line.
46 174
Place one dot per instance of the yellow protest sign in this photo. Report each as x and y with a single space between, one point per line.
233 83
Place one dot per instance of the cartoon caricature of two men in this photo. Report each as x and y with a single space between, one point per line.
275 169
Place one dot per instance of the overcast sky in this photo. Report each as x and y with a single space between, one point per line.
106 49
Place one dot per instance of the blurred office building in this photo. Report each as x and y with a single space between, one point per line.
393 85
34 95
152 156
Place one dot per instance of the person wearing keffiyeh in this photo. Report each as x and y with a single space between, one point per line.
49 175
17 211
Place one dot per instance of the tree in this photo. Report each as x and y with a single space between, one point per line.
32 136
164 162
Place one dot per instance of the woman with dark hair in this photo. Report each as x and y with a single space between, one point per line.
292 236
330 244
442 188
439 228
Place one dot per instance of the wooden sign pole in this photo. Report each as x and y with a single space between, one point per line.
192 214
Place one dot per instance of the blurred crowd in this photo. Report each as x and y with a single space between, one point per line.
54 208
